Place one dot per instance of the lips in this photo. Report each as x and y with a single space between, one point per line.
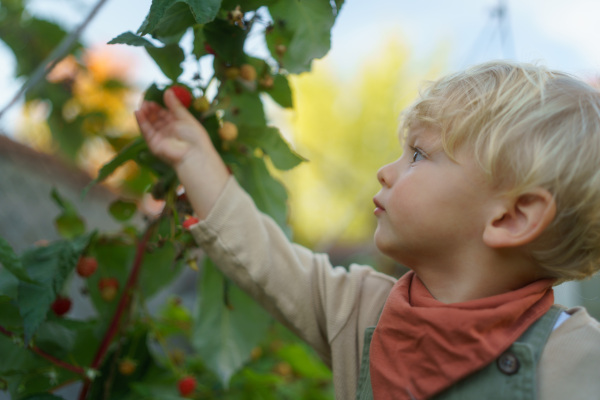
378 206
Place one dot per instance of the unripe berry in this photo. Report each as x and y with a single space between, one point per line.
109 287
280 49
86 266
228 131
247 72
127 366
232 72
186 386
184 95
201 104
61 305
267 82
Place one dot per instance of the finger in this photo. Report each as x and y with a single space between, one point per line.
174 105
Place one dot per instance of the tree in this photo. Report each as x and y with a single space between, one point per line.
127 351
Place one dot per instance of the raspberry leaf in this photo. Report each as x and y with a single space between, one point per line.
225 332
49 266
162 12
303 27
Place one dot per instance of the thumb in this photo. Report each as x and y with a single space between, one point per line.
174 105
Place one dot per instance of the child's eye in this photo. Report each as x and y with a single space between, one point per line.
417 155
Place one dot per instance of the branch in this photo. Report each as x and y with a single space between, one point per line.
54 58
121 307
43 354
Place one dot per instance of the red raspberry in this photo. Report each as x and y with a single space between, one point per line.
86 266
208 48
61 305
189 221
187 386
184 95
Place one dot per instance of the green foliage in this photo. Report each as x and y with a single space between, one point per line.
228 324
226 341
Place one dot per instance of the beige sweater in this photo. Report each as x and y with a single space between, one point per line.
330 307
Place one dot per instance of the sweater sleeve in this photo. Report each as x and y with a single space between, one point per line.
568 367
301 289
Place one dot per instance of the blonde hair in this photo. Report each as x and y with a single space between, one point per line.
528 127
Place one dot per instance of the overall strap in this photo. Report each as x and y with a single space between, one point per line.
512 375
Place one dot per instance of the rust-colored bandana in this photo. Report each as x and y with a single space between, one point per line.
422 346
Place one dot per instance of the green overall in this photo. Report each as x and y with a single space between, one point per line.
512 376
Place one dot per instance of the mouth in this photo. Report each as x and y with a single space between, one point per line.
378 207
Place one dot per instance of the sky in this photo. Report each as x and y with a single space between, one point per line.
463 31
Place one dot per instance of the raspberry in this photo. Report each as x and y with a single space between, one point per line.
187 386
109 287
189 221
86 266
184 95
61 305
228 131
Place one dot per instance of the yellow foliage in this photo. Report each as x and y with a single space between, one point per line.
348 130
101 96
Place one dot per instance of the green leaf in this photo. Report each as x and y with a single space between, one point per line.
304 28
281 92
8 286
225 334
68 224
122 210
231 50
49 266
43 396
158 269
129 152
268 193
246 5
303 362
12 263
131 39
55 338
176 20
31 41
68 135
160 14
115 259
168 59
244 108
199 40
272 143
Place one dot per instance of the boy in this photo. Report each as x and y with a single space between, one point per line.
495 199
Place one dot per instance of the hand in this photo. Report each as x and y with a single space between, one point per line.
172 134
178 138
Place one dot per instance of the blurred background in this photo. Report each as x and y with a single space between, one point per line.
344 121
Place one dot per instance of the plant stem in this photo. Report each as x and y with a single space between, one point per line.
54 58
52 359
121 307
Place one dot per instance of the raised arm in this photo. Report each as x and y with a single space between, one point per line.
174 135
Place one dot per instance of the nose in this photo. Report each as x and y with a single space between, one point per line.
384 175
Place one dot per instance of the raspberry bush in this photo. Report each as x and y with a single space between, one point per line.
226 345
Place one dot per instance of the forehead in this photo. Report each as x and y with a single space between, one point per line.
422 136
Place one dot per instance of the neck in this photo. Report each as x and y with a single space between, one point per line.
469 281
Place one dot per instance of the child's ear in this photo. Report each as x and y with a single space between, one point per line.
520 220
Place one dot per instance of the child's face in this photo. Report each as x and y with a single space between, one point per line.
430 208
